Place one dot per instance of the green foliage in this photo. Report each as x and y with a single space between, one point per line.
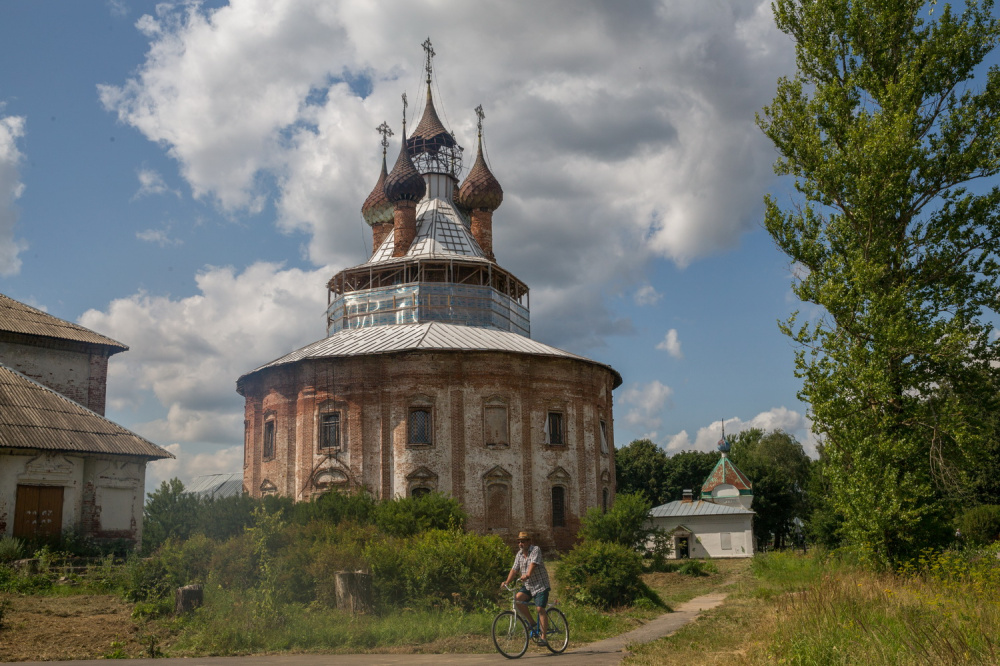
624 523
780 470
981 524
168 512
437 568
697 568
336 507
640 467
602 574
186 562
882 128
143 580
406 516
687 470
11 548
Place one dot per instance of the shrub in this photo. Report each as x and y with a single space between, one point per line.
625 523
143 579
186 562
980 525
11 548
406 516
598 573
234 564
437 567
336 507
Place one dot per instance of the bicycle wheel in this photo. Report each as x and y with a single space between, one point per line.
557 636
510 635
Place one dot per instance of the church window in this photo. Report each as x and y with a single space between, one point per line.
420 491
495 425
604 437
329 432
419 427
558 506
269 439
554 432
246 442
604 500
727 540
497 506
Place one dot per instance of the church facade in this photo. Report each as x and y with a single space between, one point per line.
428 379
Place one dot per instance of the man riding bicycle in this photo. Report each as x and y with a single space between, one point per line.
530 570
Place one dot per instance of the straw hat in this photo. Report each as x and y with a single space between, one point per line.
523 535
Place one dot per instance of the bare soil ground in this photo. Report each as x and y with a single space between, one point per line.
42 628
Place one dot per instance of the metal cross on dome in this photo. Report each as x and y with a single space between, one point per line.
386 132
480 114
429 50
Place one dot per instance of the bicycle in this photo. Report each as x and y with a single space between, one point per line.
511 634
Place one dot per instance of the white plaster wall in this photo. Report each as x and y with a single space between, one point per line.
707 532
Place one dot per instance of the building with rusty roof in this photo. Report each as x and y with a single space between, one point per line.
428 379
719 523
62 464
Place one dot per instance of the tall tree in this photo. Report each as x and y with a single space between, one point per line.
779 470
886 126
687 470
640 468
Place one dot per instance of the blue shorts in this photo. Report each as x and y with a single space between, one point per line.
541 599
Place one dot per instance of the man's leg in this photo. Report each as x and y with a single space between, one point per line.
543 621
522 608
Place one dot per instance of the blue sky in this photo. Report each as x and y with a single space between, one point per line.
185 178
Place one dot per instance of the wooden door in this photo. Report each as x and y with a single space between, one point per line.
38 511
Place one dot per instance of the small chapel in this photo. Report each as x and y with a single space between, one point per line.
428 379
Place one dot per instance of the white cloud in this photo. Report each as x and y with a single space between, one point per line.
646 403
671 344
777 418
188 465
159 236
151 182
11 187
189 352
619 132
646 295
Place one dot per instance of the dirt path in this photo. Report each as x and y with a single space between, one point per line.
602 653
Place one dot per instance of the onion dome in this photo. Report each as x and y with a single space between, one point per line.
430 134
404 182
377 208
481 190
724 445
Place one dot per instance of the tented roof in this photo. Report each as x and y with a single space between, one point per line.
441 233
33 416
16 317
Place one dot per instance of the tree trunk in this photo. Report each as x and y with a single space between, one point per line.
188 598
354 591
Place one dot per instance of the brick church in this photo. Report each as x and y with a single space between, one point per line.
428 379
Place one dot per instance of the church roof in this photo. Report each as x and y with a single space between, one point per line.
430 136
16 317
697 508
481 189
33 416
377 209
431 336
441 232
726 472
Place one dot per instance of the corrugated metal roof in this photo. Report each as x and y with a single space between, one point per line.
427 336
217 485
33 416
698 508
16 317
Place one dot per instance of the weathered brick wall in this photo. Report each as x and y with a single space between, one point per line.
77 371
377 393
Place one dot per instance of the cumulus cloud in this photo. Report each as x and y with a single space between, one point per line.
646 295
11 187
777 418
159 236
671 344
646 403
151 182
188 352
619 132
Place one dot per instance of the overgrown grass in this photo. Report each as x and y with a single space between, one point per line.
940 609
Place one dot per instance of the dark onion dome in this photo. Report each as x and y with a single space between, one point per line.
481 190
430 136
404 182
377 208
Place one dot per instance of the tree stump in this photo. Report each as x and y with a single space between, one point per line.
188 598
354 591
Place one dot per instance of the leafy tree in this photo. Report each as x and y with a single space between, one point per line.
778 468
169 512
624 523
640 467
687 470
884 129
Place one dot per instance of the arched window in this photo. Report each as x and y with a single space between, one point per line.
604 502
558 506
419 428
420 491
